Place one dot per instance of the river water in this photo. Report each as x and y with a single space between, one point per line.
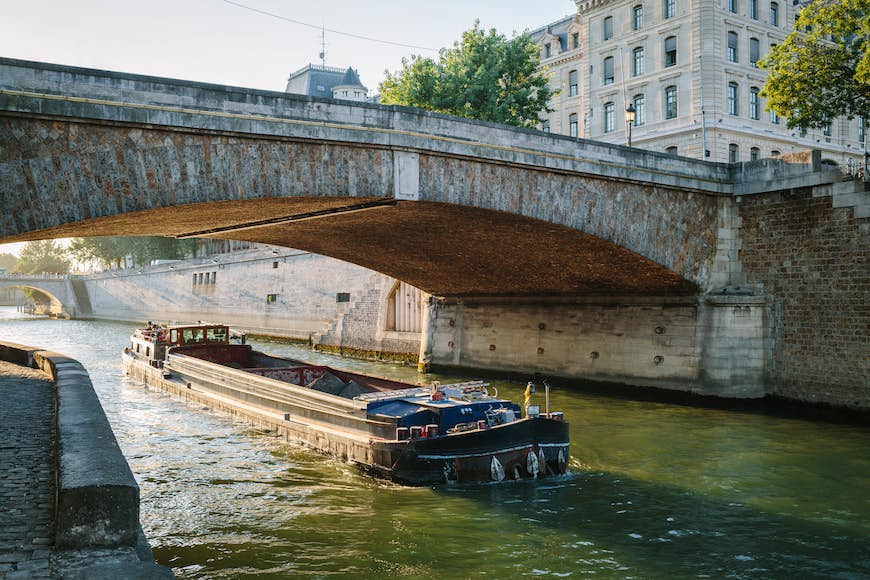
655 490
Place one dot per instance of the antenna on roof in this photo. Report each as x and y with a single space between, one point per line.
323 46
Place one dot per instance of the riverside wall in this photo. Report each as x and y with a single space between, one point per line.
275 292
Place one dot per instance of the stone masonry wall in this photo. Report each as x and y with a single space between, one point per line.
814 262
304 304
644 344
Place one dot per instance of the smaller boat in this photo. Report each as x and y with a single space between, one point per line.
411 434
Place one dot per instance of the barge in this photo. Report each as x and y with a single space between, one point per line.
411 434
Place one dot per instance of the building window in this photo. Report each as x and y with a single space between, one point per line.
861 129
671 51
609 110
774 118
732 46
572 83
639 110
672 151
608 70
545 126
271 298
732 6
753 103
774 14
404 309
608 28
547 50
342 297
754 154
637 62
214 277
637 17
826 129
670 8
572 124
733 89
753 52
733 153
274 265
194 279
774 153
671 102
575 40
753 9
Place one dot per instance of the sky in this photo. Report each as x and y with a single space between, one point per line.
220 41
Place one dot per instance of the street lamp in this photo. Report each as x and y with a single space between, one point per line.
629 119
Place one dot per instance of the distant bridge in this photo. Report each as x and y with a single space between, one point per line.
65 295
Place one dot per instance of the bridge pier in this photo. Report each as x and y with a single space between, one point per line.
710 345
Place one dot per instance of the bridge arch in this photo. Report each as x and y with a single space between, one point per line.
178 158
55 307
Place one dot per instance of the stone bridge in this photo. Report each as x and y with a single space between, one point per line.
480 215
60 292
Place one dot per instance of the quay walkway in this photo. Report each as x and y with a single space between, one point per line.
69 506
26 487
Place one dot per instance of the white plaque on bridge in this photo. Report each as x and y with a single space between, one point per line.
406 175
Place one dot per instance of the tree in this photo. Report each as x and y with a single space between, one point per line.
113 250
485 76
8 261
44 256
822 70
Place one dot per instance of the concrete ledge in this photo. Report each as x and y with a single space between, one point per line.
97 495
17 353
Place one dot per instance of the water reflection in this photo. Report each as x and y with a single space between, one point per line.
656 490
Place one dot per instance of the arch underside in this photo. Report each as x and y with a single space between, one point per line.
446 250
56 304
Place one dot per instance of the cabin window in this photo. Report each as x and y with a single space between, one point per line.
404 308
173 336
216 334
187 335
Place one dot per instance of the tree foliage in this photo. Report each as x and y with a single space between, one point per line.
822 70
8 261
44 256
484 76
113 250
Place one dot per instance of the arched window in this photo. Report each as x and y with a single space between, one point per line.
404 308
609 110
753 103
754 154
733 153
733 89
732 46
637 61
639 110
671 51
671 102
608 28
608 71
754 49
775 153
672 150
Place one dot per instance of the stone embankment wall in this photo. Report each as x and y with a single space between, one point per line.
288 293
813 260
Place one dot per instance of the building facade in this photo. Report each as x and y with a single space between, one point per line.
328 82
687 69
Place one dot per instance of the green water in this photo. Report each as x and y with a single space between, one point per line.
655 491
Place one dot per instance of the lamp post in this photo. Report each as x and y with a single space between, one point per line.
629 119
